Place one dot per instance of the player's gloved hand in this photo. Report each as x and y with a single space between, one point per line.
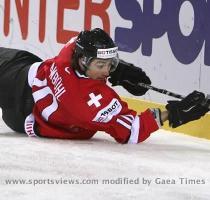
128 76
188 109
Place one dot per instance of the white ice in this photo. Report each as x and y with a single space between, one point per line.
165 156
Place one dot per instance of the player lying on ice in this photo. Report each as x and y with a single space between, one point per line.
67 97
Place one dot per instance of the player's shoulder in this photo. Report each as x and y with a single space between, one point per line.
101 87
90 88
98 95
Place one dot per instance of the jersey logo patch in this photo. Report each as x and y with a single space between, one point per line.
94 100
106 114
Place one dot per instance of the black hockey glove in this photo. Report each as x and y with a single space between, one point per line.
128 76
191 108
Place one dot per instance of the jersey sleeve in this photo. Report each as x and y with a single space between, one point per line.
115 118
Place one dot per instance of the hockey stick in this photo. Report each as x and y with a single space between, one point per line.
172 94
162 91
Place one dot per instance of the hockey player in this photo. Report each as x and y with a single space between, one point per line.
67 96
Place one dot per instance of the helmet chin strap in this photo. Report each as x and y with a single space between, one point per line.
84 67
84 64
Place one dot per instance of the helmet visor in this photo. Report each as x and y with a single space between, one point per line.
115 62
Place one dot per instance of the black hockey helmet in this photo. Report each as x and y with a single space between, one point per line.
96 44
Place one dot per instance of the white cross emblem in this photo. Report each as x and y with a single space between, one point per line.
94 100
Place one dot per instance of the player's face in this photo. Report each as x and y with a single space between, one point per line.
99 69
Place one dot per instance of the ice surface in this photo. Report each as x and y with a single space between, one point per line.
42 162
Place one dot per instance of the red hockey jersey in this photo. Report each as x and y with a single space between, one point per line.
69 105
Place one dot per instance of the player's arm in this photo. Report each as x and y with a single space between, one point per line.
177 113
